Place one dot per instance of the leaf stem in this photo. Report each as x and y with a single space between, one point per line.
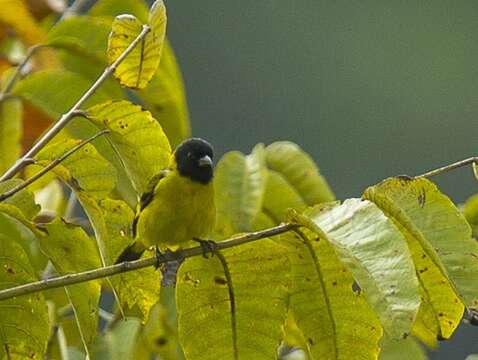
88 275
50 166
65 118
449 167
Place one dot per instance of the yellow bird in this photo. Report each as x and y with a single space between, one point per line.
179 205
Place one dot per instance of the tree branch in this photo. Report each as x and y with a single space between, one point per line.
50 166
65 118
88 275
450 167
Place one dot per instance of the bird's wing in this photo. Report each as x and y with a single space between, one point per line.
147 197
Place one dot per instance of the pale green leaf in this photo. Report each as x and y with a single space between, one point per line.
434 221
239 184
137 137
337 322
137 69
71 250
279 196
405 349
470 211
111 221
300 171
165 97
84 171
376 253
10 132
238 313
24 323
22 203
118 343
56 91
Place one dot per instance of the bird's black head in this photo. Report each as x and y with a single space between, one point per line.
194 160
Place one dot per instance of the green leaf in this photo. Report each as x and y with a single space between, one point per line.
337 322
238 307
407 349
442 232
71 250
111 221
470 211
376 253
84 171
56 91
137 137
280 196
111 8
22 205
10 132
300 171
24 323
165 97
81 34
239 184
137 69
119 342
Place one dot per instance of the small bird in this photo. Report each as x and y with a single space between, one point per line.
179 204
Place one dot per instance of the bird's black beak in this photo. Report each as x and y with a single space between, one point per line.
205 161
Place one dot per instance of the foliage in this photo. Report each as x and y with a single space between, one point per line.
374 277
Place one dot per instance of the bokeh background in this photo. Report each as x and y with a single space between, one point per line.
370 89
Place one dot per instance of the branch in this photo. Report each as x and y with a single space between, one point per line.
450 167
73 9
65 118
50 166
88 275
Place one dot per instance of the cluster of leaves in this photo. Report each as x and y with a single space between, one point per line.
367 278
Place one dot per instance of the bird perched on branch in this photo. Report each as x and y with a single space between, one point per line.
179 204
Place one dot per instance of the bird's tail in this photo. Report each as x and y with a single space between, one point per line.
131 253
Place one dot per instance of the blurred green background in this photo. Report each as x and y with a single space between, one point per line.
370 89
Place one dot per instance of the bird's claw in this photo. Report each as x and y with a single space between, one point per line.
159 258
208 247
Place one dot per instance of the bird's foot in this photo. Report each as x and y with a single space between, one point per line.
208 247
160 258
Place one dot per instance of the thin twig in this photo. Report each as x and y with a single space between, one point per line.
88 275
65 118
50 166
18 71
447 168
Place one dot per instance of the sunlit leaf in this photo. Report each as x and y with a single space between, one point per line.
137 137
470 210
239 313
439 228
300 171
140 65
239 183
165 97
405 349
84 171
330 314
71 250
10 132
376 253
24 324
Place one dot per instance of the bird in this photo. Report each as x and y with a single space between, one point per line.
178 205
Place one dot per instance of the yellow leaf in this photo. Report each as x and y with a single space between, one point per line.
141 64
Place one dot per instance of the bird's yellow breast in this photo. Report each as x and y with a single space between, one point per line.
180 210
